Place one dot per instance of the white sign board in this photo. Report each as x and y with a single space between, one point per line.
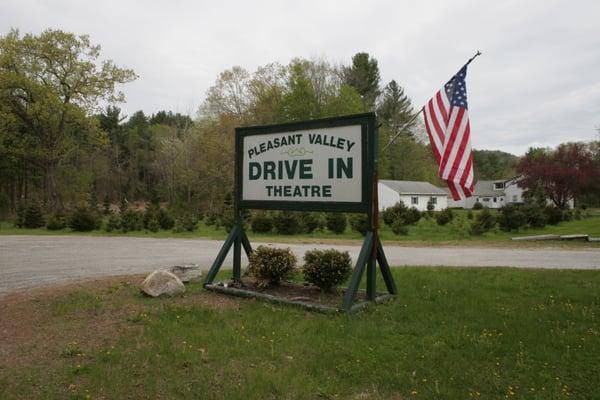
316 165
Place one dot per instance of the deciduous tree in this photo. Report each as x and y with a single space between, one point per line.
563 173
51 83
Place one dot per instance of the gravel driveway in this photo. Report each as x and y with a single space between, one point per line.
28 261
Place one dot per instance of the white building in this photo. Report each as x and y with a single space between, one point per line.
491 194
494 194
412 194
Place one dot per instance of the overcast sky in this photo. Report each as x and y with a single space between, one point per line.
536 84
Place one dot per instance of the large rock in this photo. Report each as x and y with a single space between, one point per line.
187 273
162 283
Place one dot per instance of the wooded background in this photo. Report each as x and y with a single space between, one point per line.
64 140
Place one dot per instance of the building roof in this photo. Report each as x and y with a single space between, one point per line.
413 187
486 189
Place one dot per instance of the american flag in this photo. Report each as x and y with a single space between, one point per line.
447 123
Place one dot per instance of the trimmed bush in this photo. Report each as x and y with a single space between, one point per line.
359 223
309 221
188 222
261 223
286 222
227 218
83 219
484 222
113 223
409 216
211 219
443 217
477 206
326 268
165 220
534 216
153 224
33 217
399 228
269 266
412 216
132 221
336 222
553 214
391 214
511 218
56 222
20 219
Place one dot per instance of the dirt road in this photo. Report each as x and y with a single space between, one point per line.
28 261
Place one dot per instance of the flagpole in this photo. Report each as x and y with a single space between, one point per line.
410 121
474 57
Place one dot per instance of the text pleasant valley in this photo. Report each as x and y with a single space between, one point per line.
297 171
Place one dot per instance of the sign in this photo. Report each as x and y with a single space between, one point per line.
319 165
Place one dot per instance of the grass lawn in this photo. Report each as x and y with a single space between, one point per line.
426 231
451 334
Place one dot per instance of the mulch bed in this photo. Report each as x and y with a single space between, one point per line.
290 293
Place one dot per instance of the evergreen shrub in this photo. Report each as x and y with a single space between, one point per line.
443 217
326 268
286 222
56 222
269 265
309 221
32 216
113 223
484 222
399 227
510 218
554 215
359 223
261 223
83 219
336 222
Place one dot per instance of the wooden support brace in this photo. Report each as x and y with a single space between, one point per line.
216 266
365 252
385 270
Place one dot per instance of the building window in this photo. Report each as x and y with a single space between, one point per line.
515 198
501 198
433 200
499 185
414 200
486 199
495 200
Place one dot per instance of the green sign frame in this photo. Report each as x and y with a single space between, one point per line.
368 156
371 252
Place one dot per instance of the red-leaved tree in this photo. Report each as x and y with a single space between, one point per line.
563 173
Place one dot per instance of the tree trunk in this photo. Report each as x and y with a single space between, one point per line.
51 197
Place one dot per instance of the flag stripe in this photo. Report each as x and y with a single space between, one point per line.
434 144
458 150
449 151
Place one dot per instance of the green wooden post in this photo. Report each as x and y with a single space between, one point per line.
385 269
214 269
374 223
365 253
237 257
246 243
